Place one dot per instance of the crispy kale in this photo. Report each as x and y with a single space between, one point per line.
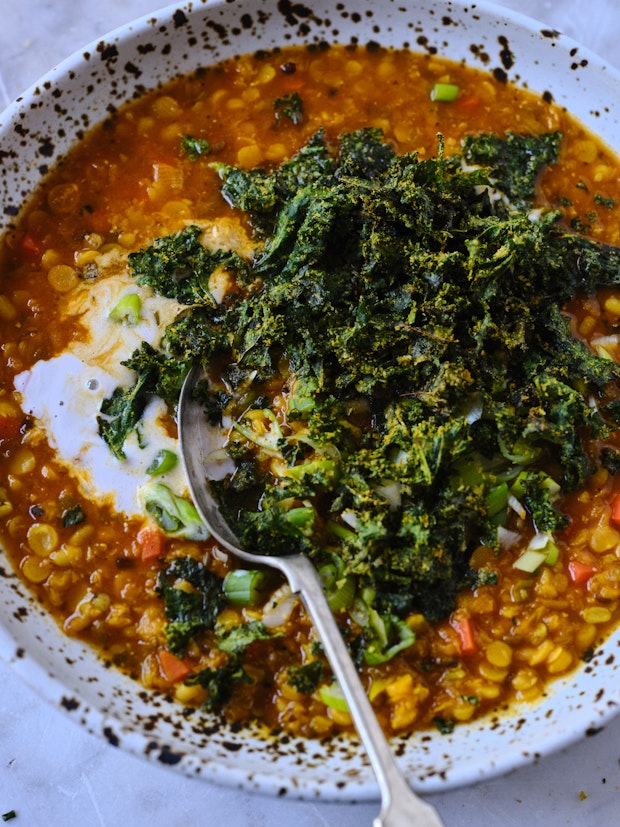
289 106
514 161
179 266
306 677
412 311
157 373
193 598
220 682
195 148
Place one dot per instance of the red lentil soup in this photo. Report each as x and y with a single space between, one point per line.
128 183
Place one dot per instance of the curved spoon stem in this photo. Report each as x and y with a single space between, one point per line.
401 807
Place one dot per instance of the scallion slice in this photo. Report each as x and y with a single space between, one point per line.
163 461
444 92
127 310
530 560
332 696
245 587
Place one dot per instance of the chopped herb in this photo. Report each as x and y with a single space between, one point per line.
236 640
11 814
73 516
305 678
610 203
195 148
444 726
289 106
220 682
193 598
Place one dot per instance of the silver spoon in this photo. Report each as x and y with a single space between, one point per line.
400 806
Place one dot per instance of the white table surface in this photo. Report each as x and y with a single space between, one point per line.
53 774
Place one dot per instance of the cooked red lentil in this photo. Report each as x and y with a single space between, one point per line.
128 183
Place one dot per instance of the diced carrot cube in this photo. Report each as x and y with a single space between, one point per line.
580 572
464 629
173 668
615 510
151 542
9 427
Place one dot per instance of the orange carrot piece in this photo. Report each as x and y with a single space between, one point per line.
580 572
464 628
31 246
151 542
173 668
615 510
9 427
469 104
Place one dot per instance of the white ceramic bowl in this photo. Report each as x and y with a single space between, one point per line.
36 131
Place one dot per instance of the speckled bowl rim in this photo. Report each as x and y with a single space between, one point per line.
34 133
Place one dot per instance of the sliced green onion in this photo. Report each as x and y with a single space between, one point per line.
340 531
302 518
127 310
378 651
444 92
497 501
343 595
326 470
163 461
245 587
530 560
332 696
267 441
553 554
175 515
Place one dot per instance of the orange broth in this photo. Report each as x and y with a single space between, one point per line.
127 183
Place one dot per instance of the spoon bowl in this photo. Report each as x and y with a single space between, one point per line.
201 446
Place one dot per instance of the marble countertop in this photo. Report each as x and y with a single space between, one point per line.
54 774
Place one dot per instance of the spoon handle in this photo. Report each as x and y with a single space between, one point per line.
400 806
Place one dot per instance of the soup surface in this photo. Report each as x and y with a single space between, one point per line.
100 525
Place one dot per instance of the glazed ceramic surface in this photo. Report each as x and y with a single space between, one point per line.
35 132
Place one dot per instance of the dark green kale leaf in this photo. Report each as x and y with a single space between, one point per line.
289 106
219 683
417 306
261 193
236 640
73 516
156 374
178 266
121 413
189 611
305 678
515 161
364 154
195 148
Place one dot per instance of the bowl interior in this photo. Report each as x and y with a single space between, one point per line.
35 132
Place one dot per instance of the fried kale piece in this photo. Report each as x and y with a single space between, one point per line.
417 304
